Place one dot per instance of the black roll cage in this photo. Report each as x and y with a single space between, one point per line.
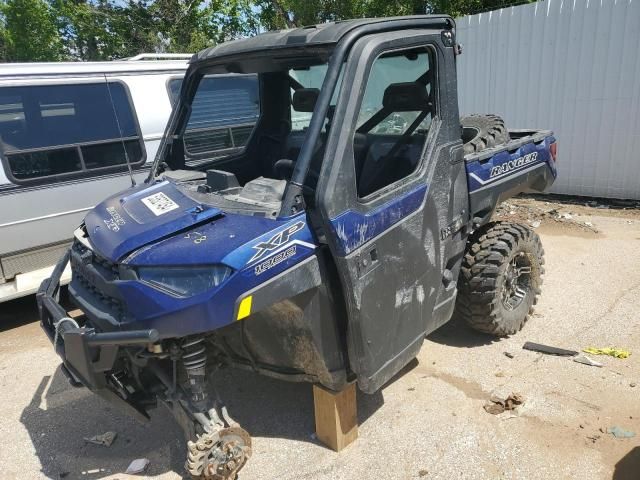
293 200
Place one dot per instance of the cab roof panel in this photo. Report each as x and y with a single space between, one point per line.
322 35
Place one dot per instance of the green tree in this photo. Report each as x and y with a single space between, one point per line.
191 25
38 30
101 29
136 29
179 24
28 31
276 14
231 19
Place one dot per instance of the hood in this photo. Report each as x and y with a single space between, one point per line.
141 215
233 240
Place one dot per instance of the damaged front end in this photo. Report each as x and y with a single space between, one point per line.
135 369
167 299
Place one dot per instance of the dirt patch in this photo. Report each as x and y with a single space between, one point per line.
566 215
469 388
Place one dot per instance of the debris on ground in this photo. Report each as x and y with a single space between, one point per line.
423 473
105 439
497 405
535 214
509 355
586 361
139 465
611 351
549 350
619 432
594 438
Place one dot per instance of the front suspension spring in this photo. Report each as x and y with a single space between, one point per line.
194 360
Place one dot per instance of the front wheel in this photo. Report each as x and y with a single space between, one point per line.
500 278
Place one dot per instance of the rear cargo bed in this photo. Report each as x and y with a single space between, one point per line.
495 174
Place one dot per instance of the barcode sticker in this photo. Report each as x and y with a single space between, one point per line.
159 203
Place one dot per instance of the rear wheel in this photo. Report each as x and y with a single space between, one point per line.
483 131
500 278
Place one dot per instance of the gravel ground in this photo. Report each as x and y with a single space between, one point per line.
427 423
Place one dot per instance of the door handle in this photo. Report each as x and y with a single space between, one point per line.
368 260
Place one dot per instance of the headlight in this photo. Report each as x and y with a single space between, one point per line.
184 281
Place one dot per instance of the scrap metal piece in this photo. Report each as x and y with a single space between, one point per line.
139 465
549 350
586 361
105 439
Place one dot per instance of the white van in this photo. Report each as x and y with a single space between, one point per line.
64 130
67 131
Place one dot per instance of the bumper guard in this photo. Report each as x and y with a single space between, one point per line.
88 356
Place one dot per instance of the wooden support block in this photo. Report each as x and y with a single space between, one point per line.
336 416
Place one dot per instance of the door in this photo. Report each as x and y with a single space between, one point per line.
392 197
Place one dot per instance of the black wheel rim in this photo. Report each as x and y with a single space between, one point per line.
517 281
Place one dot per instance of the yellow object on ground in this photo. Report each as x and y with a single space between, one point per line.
611 351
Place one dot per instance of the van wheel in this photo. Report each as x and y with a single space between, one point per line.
483 131
500 278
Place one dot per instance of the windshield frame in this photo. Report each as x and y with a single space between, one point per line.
252 62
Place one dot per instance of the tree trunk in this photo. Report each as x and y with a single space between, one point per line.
283 14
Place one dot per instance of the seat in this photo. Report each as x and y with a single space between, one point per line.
303 100
387 158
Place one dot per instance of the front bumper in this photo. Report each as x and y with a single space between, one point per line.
88 356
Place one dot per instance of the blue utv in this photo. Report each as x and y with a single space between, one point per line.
351 220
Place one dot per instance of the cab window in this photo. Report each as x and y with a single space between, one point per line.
224 112
394 119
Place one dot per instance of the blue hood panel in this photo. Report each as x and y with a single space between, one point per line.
145 214
228 240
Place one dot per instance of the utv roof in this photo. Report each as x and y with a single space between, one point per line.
324 34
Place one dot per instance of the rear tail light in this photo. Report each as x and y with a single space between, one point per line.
553 148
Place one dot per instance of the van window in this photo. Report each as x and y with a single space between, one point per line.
54 130
223 114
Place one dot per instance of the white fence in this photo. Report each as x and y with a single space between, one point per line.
572 66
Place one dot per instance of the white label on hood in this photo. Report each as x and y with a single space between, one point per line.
159 203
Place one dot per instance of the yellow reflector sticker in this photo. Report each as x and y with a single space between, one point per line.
245 308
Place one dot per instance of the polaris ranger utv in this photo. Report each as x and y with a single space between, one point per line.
323 252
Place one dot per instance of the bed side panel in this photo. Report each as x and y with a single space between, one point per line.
518 167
